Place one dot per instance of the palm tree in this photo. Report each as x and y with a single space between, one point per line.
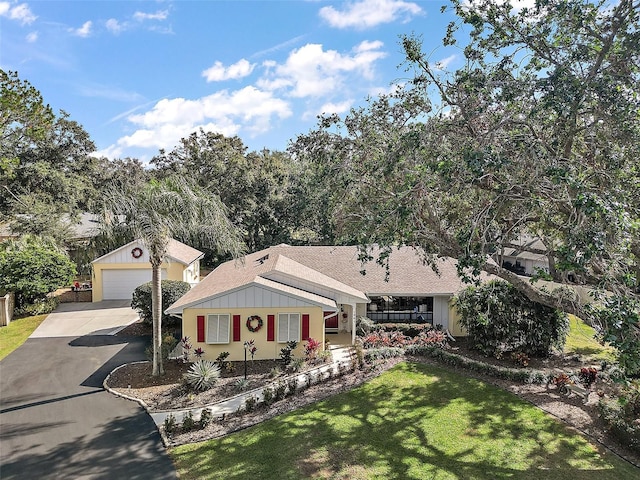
160 211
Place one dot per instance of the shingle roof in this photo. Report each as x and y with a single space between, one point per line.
183 253
337 266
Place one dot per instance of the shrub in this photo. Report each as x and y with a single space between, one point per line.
32 267
325 356
381 338
383 353
206 417
250 403
364 325
172 290
280 391
286 353
296 364
275 372
311 349
241 384
408 329
268 396
203 374
38 307
500 319
622 416
188 423
455 360
168 345
170 424
292 386
587 376
221 361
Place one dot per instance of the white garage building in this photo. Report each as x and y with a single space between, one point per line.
117 274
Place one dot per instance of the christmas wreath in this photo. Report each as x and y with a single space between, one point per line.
136 252
250 321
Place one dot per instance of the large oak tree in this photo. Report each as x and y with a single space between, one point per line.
538 132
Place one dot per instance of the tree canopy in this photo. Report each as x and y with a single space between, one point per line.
538 133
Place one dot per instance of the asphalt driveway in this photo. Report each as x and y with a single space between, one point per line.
56 421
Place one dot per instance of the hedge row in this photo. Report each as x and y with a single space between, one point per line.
455 360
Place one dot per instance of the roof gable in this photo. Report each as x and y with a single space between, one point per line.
176 251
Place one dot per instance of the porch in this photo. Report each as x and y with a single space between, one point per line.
336 340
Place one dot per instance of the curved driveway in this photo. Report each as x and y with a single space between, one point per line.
56 421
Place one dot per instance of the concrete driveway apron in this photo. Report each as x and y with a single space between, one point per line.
56 421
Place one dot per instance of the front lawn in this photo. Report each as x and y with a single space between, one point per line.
412 422
581 341
17 332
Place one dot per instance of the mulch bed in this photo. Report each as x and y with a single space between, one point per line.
168 392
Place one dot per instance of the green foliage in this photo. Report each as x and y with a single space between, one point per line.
170 424
286 353
364 325
172 290
32 267
42 306
241 384
622 414
259 188
203 374
619 320
206 417
221 361
168 345
448 358
500 319
188 423
382 353
536 132
250 403
268 396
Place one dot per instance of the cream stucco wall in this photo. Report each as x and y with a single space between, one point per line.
266 350
175 271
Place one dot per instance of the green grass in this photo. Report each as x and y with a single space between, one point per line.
17 332
413 422
581 341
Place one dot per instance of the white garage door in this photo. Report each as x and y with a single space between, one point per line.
120 284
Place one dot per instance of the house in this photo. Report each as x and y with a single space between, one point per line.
297 292
525 259
117 274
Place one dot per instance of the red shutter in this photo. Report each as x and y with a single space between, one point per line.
236 328
201 328
271 328
305 327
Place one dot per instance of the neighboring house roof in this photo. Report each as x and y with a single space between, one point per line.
314 269
526 242
176 251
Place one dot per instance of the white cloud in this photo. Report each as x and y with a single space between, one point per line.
32 37
369 13
159 15
21 13
445 62
218 72
114 26
84 31
311 71
248 109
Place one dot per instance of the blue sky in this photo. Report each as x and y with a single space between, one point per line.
140 75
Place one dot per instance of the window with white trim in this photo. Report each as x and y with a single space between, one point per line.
288 327
218 328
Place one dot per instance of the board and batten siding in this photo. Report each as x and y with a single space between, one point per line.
441 311
254 297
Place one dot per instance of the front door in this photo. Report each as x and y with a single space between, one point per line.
331 323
